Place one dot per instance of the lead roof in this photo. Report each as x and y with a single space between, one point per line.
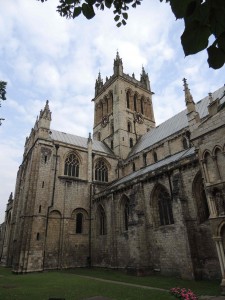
174 124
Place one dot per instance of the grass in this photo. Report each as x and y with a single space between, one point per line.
201 287
66 284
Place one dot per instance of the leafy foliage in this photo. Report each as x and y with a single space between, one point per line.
2 95
73 8
204 21
2 90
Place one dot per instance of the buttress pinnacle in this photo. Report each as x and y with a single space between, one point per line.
188 96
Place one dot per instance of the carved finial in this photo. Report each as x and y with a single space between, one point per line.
118 65
210 98
89 137
45 114
143 70
188 96
117 55
145 79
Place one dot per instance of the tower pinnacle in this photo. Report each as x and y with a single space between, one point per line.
45 114
98 84
118 65
145 79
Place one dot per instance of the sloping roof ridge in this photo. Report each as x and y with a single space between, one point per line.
172 125
79 141
67 133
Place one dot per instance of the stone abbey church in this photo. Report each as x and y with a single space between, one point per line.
134 196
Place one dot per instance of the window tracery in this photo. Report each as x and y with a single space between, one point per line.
162 206
135 102
128 99
131 143
71 167
101 171
129 127
101 221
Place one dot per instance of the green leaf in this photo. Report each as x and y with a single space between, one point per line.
69 1
124 22
221 42
119 24
116 18
88 11
76 12
195 38
216 57
91 2
108 3
198 12
125 16
179 7
217 20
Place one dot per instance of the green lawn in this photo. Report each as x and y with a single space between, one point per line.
66 284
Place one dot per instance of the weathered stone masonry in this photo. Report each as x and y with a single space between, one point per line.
136 197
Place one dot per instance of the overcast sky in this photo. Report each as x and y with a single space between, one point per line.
43 56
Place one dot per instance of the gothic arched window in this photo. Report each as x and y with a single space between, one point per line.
110 103
101 221
71 166
165 208
111 127
101 171
131 143
145 159
129 127
124 213
162 206
185 143
133 166
155 156
200 198
135 102
128 99
142 105
79 223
